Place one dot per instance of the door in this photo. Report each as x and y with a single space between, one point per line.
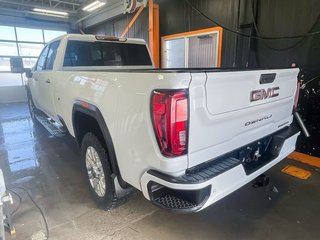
46 81
34 82
174 53
203 51
195 49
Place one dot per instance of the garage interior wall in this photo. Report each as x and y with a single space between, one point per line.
273 18
116 26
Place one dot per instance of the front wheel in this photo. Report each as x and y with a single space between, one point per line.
98 172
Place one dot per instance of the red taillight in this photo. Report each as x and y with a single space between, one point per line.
170 121
296 97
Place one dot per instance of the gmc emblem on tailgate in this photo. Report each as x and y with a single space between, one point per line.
264 94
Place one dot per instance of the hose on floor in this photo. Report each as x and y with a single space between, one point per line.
12 190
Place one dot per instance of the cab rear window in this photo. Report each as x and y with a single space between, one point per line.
80 53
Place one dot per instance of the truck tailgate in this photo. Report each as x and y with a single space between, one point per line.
231 109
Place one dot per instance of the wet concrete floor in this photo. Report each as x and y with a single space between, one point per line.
49 168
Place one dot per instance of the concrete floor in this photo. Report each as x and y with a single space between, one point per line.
50 169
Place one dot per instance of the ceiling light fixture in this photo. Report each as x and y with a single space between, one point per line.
93 6
50 12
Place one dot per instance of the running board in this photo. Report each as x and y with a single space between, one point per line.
52 127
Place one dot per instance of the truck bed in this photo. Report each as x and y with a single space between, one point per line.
166 70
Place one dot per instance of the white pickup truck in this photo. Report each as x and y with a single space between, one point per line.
184 137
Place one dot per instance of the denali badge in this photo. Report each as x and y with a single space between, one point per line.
258 120
264 94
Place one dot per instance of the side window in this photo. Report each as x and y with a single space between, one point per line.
42 59
53 48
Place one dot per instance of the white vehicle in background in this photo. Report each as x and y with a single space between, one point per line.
184 137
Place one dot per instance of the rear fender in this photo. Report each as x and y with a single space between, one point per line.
95 113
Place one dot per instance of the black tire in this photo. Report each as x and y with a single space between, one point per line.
107 200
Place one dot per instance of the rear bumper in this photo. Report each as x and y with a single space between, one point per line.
201 187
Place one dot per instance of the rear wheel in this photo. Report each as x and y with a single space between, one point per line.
98 172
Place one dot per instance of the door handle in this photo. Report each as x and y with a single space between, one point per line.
48 81
35 79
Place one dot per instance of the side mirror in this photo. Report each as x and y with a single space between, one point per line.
16 65
28 72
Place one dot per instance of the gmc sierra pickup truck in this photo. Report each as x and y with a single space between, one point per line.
184 137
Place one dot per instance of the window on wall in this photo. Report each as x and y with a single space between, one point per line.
7 33
50 35
29 35
30 49
24 42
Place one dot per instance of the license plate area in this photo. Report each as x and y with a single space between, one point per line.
261 152
255 155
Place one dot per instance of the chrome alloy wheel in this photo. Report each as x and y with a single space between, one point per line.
95 171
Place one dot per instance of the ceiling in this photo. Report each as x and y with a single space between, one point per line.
21 12
23 8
